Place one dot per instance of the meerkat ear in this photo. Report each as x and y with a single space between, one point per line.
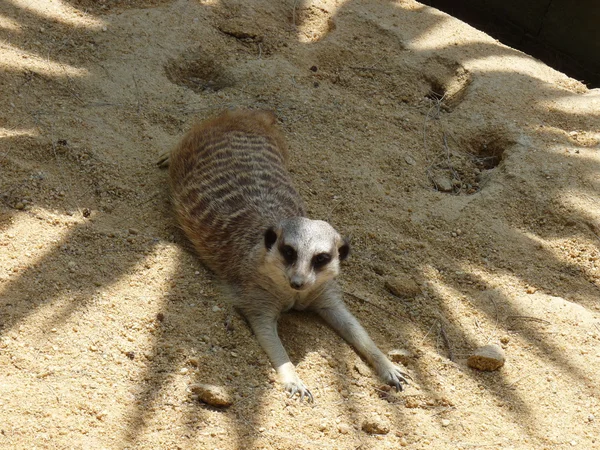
270 238
344 249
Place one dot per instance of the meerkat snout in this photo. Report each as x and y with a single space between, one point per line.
307 252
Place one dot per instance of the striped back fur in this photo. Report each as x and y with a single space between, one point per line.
229 184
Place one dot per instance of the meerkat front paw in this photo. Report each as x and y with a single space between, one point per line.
394 376
296 386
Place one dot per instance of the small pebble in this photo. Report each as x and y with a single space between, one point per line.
487 358
216 308
400 356
375 426
410 160
443 184
212 395
344 428
591 418
133 231
445 422
402 286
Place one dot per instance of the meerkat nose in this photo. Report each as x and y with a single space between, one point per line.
297 284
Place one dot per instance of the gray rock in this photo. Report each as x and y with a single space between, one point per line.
443 183
402 286
488 358
212 395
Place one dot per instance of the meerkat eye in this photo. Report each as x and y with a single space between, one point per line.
288 253
321 260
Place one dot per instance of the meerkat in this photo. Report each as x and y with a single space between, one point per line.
236 203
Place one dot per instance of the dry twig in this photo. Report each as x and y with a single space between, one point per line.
446 341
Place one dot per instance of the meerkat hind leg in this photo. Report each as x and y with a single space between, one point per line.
265 329
347 326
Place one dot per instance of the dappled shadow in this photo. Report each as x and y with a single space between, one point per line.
107 225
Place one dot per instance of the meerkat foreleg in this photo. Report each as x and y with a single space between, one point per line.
265 329
334 312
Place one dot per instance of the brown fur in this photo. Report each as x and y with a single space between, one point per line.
213 173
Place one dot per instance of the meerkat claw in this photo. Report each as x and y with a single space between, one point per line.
397 378
301 390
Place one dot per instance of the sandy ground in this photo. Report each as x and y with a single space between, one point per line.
464 171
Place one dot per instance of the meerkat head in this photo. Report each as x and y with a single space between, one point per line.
304 252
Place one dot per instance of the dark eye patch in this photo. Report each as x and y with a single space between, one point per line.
288 253
321 260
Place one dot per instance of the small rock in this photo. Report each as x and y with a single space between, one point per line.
487 358
443 184
411 402
20 205
212 395
402 286
375 426
343 428
216 308
400 356
133 231
591 418
410 160
445 422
